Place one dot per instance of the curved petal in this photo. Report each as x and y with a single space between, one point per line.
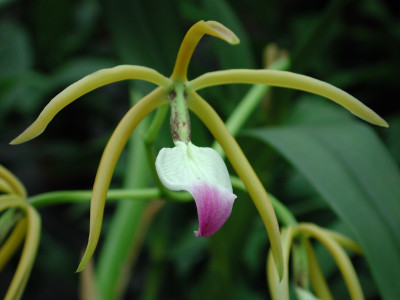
28 255
339 255
344 241
279 286
317 279
201 172
12 243
108 162
288 80
5 187
84 86
192 38
173 168
11 182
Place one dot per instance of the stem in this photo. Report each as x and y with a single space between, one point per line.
60 197
151 160
243 168
155 126
149 140
76 196
180 121
157 264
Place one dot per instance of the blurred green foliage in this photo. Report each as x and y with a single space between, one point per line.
46 45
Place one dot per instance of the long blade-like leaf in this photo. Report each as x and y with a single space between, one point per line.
348 165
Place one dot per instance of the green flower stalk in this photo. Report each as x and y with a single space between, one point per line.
202 171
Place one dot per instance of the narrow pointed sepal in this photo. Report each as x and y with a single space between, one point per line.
192 38
84 86
108 162
201 172
288 80
220 31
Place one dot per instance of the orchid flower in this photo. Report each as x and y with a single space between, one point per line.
200 171
27 225
187 167
334 242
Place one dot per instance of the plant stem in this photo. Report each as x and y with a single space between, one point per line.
149 139
60 197
155 126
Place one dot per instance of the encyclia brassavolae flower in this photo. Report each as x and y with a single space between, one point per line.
335 243
19 221
167 89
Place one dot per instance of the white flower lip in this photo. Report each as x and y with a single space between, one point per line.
203 173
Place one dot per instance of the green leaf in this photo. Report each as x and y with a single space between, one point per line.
145 33
239 56
76 69
4 3
61 28
230 57
15 51
392 137
348 165
28 86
